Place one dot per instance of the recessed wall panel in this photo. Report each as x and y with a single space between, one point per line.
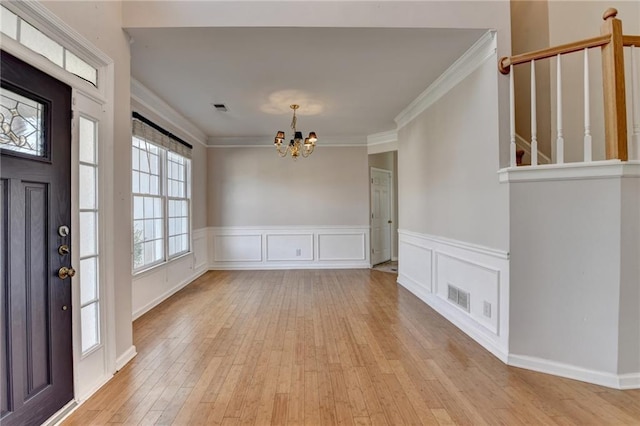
289 247
238 248
341 247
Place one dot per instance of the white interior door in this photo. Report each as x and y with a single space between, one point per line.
380 216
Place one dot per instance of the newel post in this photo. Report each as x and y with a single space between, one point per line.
615 115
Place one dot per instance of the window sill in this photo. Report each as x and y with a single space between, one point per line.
153 268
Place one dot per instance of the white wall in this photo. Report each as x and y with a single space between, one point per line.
565 266
629 319
453 212
255 187
575 279
101 24
268 212
447 163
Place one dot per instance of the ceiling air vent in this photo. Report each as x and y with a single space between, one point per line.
220 107
459 297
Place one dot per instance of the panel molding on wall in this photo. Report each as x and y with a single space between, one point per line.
429 264
285 247
152 287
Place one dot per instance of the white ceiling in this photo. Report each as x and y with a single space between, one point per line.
349 82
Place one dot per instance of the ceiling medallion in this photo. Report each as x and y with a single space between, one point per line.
296 146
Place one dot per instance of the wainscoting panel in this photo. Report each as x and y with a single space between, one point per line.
289 247
416 267
237 248
480 282
150 288
429 265
342 246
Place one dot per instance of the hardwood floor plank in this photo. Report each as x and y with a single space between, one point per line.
313 347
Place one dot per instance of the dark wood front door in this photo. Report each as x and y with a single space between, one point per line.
35 201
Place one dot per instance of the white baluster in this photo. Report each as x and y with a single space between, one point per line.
587 113
512 118
534 121
635 101
560 138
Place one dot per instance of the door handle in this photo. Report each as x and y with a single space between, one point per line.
65 272
389 221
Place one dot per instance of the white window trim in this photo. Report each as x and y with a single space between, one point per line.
165 202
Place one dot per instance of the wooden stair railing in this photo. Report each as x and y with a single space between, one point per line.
611 41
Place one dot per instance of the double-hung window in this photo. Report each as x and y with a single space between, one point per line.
161 186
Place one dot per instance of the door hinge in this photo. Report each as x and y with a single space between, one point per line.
371 180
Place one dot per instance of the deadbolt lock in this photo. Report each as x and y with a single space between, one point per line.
63 249
63 230
65 272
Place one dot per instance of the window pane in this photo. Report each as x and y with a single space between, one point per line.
135 158
88 280
21 124
154 185
87 140
9 23
40 43
89 325
144 183
138 207
87 187
80 68
138 251
87 234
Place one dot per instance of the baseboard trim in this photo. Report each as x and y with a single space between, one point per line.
155 302
615 381
254 266
464 323
629 381
127 356
100 383
61 414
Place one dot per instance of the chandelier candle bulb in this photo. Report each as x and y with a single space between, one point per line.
298 141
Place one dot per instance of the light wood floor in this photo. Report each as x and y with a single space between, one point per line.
327 347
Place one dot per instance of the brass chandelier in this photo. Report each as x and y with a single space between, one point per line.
296 146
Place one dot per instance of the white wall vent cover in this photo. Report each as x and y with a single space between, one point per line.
459 297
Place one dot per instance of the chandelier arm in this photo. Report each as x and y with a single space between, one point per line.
306 153
282 153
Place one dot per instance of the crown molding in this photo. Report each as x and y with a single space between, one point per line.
267 141
477 54
271 146
149 100
382 137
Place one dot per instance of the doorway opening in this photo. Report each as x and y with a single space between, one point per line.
383 180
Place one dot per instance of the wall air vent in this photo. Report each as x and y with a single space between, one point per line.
220 107
459 297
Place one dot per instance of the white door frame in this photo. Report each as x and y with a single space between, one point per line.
44 20
391 209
